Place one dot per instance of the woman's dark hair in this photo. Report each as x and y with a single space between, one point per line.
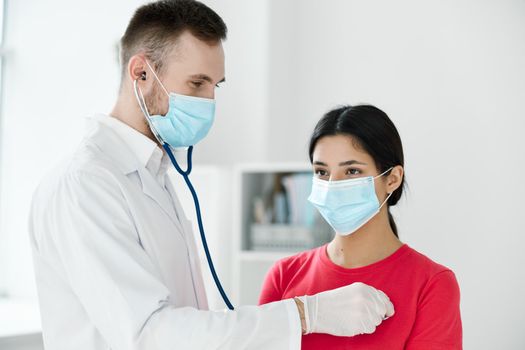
374 132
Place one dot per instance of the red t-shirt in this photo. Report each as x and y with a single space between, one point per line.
425 297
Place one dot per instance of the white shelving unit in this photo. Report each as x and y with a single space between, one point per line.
250 264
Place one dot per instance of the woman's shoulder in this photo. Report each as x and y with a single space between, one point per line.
438 318
299 260
282 272
434 271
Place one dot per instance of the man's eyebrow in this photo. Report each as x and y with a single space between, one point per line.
206 78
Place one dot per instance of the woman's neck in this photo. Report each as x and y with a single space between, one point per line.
371 243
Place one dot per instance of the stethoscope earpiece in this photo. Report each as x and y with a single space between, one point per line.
143 76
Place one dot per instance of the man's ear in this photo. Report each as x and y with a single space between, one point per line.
138 70
395 178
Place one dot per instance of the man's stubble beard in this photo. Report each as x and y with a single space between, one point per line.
154 101
155 105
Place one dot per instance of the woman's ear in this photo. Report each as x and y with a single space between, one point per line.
394 179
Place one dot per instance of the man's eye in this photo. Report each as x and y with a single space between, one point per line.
197 84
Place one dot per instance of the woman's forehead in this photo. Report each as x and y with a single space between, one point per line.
339 145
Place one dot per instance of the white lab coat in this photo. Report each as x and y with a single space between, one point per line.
117 268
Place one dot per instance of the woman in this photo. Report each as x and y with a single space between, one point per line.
357 159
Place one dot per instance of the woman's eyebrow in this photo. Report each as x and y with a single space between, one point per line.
350 162
319 163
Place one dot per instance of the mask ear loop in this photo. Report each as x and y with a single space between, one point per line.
390 194
384 172
140 99
381 206
156 77
142 104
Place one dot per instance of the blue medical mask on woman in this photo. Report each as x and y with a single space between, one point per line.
188 120
348 204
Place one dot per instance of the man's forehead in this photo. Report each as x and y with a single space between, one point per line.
187 46
205 62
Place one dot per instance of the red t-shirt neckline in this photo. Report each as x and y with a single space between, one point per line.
322 255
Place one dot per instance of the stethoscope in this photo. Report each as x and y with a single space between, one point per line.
185 175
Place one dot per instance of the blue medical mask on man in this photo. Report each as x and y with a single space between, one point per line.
188 120
347 205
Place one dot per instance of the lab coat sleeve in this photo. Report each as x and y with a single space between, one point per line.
121 291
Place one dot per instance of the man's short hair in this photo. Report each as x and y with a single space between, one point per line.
156 26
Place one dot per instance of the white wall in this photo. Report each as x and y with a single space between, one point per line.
61 67
451 75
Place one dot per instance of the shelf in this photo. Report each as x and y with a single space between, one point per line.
262 181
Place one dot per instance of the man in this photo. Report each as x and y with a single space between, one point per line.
115 259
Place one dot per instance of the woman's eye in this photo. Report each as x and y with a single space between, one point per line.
353 171
320 172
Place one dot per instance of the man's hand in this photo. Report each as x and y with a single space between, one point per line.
347 311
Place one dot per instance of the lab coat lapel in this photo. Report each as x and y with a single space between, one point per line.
110 144
152 189
198 282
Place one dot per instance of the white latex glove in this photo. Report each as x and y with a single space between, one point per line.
347 311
